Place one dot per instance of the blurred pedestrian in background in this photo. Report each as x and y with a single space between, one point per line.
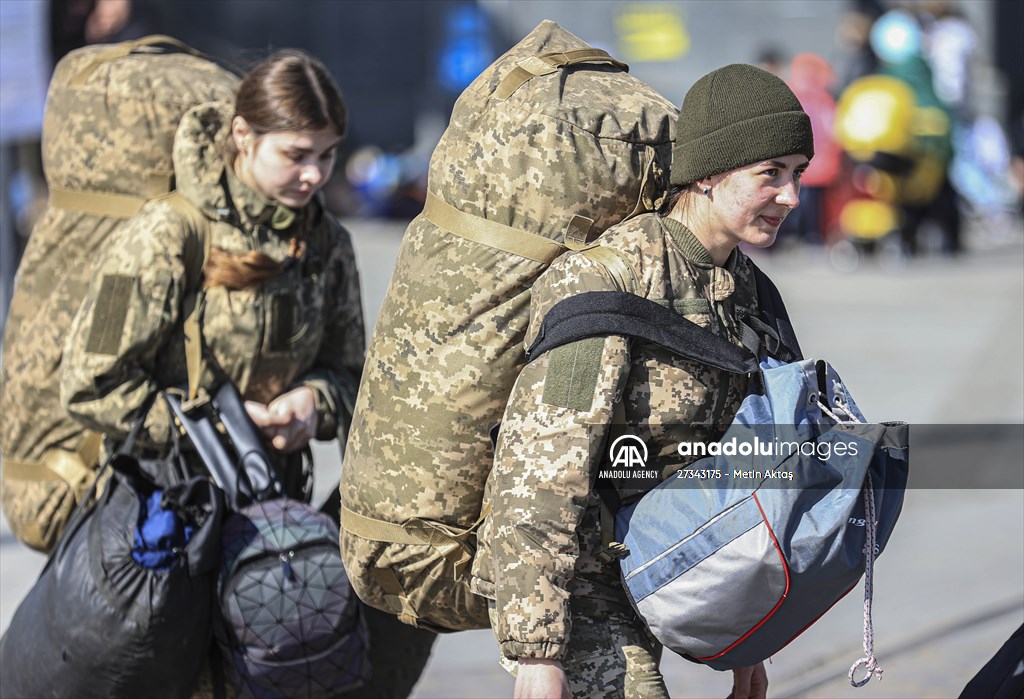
812 80
925 192
76 23
898 135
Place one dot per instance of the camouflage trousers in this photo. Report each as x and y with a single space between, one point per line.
611 653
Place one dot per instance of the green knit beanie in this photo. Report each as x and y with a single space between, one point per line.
734 116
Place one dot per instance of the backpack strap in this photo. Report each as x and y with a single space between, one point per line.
197 252
197 236
104 203
599 313
76 468
548 63
490 233
617 264
452 543
769 300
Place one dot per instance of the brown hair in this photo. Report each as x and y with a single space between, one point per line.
289 91
678 195
251 269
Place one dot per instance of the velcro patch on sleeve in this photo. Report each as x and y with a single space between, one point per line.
572 374
110 313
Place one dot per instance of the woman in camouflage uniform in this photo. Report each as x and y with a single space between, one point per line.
559 610
282 316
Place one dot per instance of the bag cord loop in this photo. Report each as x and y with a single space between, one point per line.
869 661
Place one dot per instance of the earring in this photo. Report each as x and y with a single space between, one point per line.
707 191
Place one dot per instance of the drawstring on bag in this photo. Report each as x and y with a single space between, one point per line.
869 661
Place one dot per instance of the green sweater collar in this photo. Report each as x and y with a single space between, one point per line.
687 242
693 249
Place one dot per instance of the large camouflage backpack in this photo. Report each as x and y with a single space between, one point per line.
548 147
111 115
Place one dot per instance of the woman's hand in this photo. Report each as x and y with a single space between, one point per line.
290 421
541 679
749 682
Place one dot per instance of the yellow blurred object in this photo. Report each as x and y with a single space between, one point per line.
884 186
921 186
649 32
868 219
875 114
930 121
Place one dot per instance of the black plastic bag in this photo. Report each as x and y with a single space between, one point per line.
99 624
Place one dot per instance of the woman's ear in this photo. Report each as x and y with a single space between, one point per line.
241 133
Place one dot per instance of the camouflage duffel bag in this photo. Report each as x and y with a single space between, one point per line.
111 115
548 147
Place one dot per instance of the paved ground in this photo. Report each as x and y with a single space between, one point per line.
938 343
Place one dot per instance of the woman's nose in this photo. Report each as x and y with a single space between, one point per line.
789 195
311 174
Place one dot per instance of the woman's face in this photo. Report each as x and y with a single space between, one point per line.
748 204
288 166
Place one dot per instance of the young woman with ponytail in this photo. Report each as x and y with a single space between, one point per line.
281 315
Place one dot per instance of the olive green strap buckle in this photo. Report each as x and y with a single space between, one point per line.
577 231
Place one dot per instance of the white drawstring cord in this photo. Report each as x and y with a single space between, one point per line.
869 661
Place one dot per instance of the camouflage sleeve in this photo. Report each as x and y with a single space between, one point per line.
550 441
334 376
126 318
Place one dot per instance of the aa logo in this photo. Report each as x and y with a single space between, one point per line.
628 451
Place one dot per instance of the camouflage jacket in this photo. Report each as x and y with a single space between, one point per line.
563 413
304 327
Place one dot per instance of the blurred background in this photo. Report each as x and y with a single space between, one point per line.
917 106
904 264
